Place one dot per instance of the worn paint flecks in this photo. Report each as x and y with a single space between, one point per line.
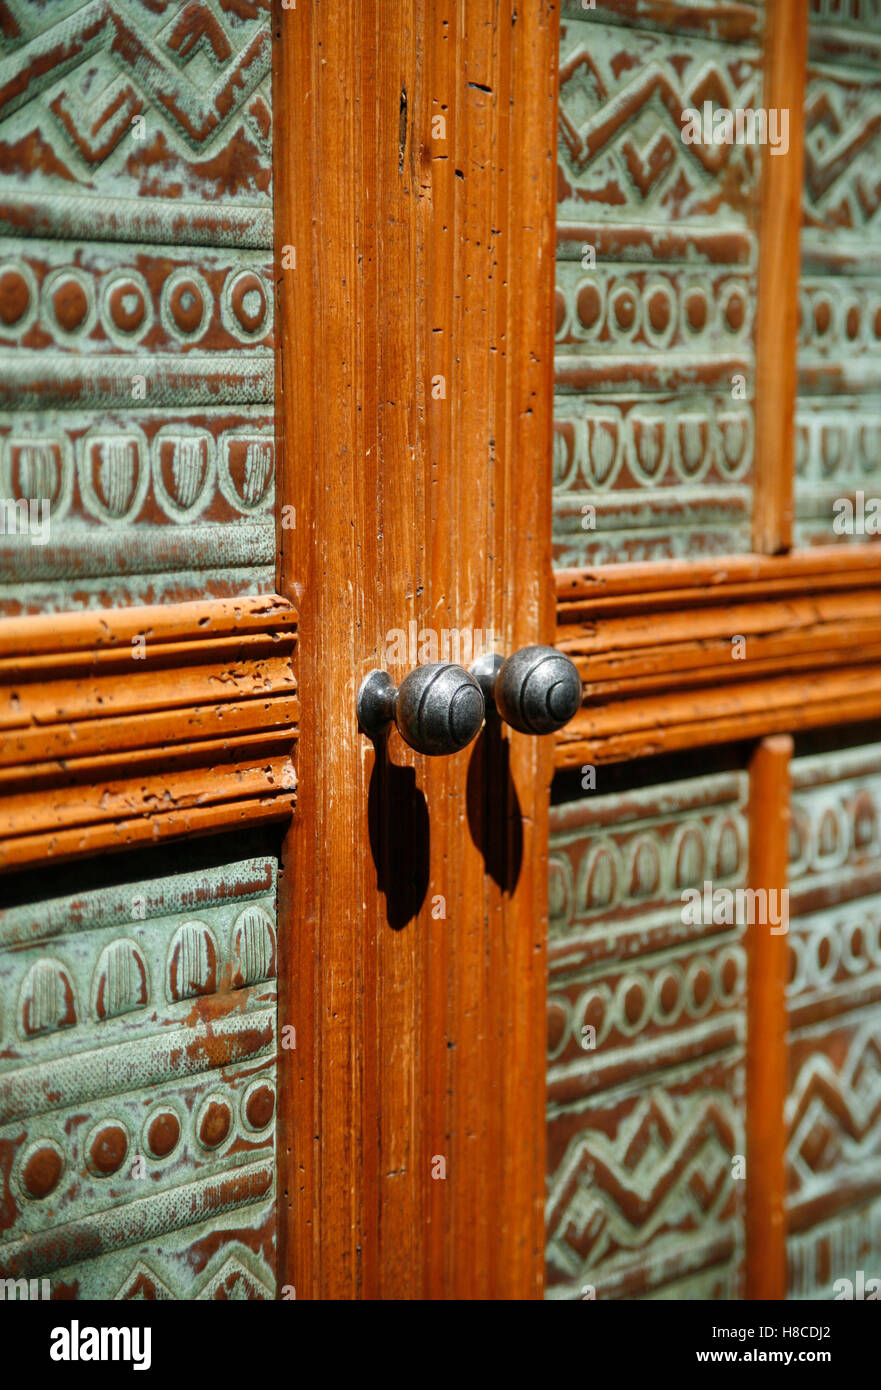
138 1088
136 305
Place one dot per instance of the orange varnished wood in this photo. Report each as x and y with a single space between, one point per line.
697 718
257 766
775 639
419 1035
250 646
172 622
142 685
661 671
105 743
650 585
133 733
127 832
783 88
766 1079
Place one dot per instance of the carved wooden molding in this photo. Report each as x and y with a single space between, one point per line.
120 727
654 645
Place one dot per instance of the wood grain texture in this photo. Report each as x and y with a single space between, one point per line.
121 727
419 1036
694 654
694 719
650 584
766 1057
785 63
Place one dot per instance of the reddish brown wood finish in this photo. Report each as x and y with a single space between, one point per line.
766 1079
647 586
417 257
783 88
107 741
112 629
695 719
661 672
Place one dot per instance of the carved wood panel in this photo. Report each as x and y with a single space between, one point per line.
657 252
137 452
645 1045
138 1086
838 421
138 994
833 1112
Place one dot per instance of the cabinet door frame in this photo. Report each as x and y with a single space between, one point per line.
414 183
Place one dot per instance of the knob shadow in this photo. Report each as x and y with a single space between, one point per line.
399 830
495 819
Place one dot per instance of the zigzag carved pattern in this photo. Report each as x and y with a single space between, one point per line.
628 148
100 29
666 1172
624 168
647 165
828 1106
234 1281
842 151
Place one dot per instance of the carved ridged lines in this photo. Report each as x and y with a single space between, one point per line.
838 427
137 1088
650 338
833 1112
117 728
643 1121
136 303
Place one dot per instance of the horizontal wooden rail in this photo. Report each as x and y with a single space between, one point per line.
696 653
714 581
122 727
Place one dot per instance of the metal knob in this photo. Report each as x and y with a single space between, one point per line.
437 709
537 690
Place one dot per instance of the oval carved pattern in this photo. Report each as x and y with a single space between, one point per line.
192 962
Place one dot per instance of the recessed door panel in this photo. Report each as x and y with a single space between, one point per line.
833 1112
137 442
138 1085
646 1036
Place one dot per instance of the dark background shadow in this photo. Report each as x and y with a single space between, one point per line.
398 825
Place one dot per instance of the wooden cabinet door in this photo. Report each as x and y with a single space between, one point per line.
388 182
414 165
148 702
341 346
712 1069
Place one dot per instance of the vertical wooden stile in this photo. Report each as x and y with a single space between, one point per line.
767 953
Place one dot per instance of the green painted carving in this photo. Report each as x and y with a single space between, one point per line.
136 343
833 1112
646 1033
838 415
653 453
137 1087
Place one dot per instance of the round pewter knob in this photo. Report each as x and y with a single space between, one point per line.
438 708
537 690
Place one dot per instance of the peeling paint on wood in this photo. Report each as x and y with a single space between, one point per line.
651 334
136 303
642 1129
137 1088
